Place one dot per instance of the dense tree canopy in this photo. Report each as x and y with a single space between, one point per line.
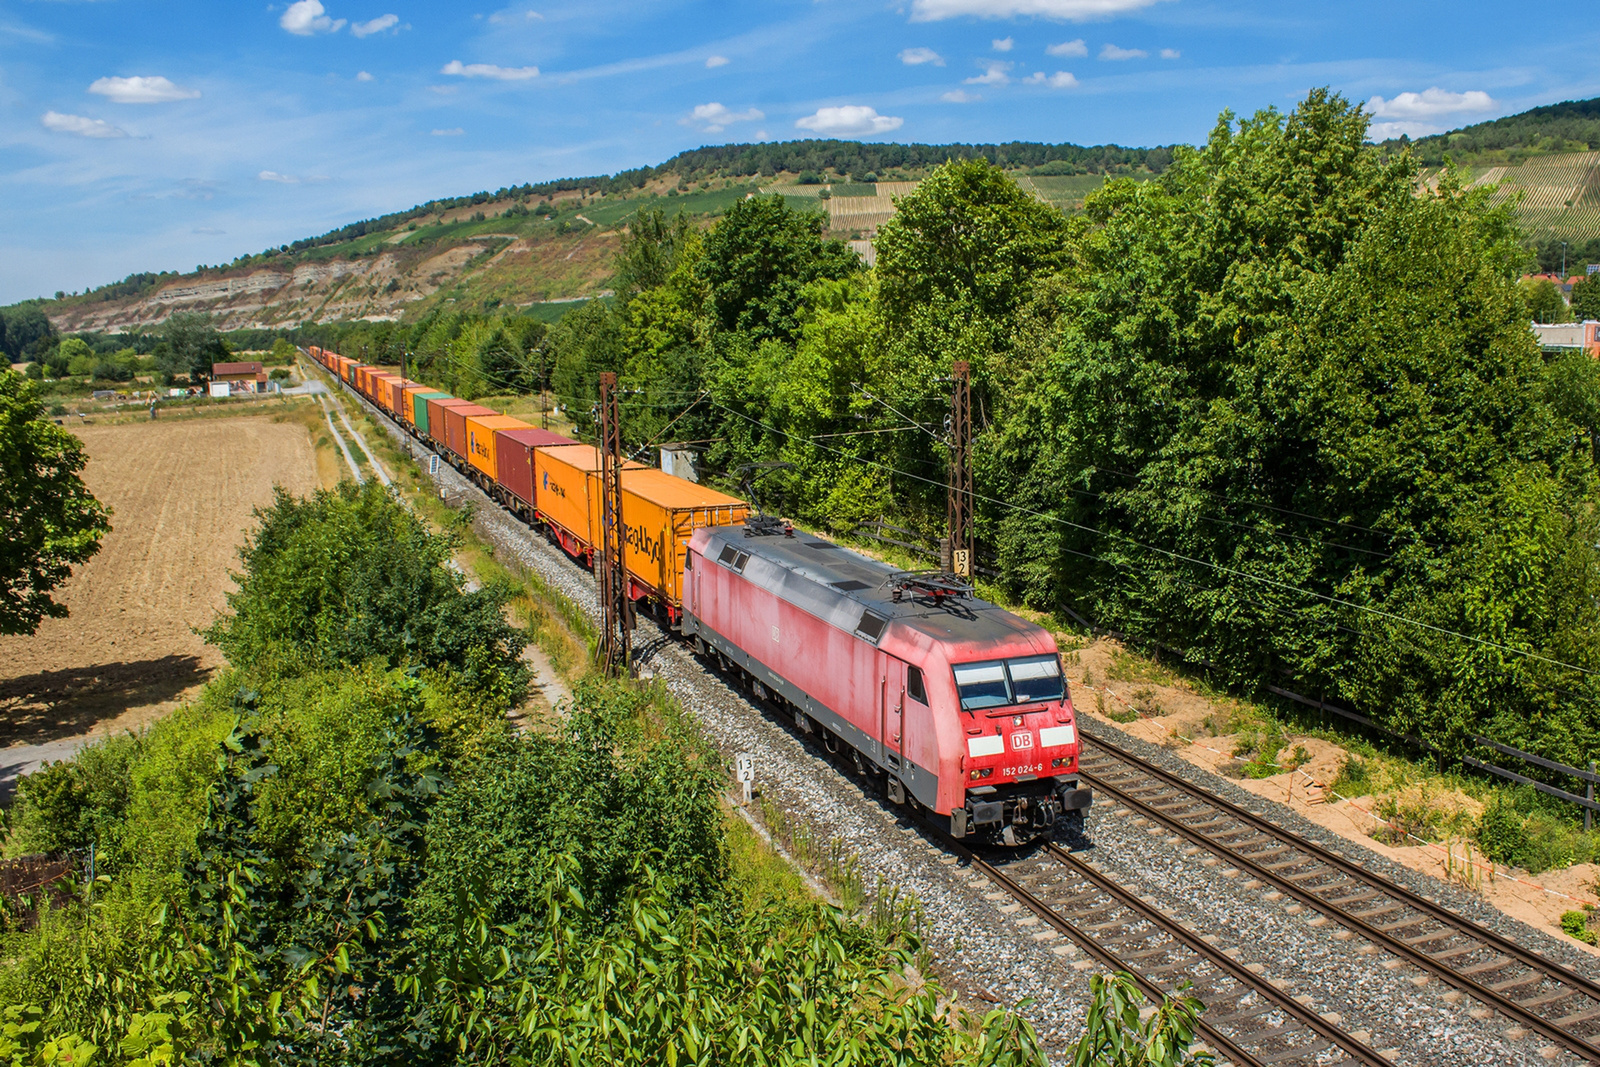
52 521
350 576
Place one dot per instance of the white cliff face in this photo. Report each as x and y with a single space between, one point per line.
380 287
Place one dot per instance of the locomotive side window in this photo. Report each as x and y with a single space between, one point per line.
915 689
1035 678
727 554
982 685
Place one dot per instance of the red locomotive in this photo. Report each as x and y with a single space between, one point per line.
960 704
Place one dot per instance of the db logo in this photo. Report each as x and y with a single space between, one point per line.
1021 741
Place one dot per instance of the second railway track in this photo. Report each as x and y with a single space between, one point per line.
1249 1021
1533 991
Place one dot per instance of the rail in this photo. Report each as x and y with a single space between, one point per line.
1246 1035
1540 994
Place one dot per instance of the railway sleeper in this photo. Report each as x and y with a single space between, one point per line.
1302 1053
1515 983
1544 1000
1494 964
1567 1022
1354 898
1368 916
1245 1014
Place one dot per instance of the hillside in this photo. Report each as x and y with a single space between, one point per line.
543 246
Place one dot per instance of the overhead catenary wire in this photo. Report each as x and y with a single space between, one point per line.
1206 564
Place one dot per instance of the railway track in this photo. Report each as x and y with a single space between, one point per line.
1533 992
1248 1021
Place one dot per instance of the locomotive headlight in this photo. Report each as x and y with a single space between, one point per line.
1061 761
982 772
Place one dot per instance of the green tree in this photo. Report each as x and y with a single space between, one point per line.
1586 298
649 250
757 260
192 346
26 327
348 576
78 356
1544 301
52 521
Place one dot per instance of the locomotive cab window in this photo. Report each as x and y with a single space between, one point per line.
982 685
1035 679
915 689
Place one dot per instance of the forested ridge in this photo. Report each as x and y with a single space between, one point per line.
1272 412
1570 126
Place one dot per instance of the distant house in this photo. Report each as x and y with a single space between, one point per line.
241 377
1584 335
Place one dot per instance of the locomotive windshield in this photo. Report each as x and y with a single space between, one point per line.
998 683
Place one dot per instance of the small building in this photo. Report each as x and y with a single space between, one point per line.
241 377
1584 335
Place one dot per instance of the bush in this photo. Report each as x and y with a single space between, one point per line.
350 575
1576 924
1502 834
279 374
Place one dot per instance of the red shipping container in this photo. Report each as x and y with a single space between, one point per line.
437 430
455 426
516 459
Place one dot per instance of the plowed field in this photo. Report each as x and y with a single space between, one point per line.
181 494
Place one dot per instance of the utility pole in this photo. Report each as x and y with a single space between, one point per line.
1563 261
616 604
958 504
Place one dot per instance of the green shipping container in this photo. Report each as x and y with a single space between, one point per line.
419 408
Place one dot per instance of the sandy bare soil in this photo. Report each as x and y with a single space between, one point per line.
182 494
1183 721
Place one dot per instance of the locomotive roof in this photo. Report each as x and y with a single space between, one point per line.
838 585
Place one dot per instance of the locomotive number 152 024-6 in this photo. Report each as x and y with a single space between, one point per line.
1027 768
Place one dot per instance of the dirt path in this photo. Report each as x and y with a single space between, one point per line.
182 493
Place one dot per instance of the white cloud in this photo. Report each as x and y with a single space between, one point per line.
1068 48
1383 131
761 135
849 120
713 62
512 18
274 176
1170 53
914 57
1002 44
489 70
714 117
1061 10
363 76
140 90
960 96
1059 80
1429 103
306 17
454 131
1112 52
77 124
377 25
994 73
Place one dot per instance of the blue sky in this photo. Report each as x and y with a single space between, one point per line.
137 135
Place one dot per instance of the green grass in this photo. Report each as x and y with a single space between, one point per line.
854 189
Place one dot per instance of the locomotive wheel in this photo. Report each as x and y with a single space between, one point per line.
699 647
830 741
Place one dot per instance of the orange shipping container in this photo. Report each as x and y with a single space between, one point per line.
481 440
383 390
408 402
565 478
659 512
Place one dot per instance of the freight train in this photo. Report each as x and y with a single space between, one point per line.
955 705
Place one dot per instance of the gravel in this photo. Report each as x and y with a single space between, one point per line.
988 955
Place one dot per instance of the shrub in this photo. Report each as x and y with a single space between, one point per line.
1501 833
350 575
1354 778
1576 924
